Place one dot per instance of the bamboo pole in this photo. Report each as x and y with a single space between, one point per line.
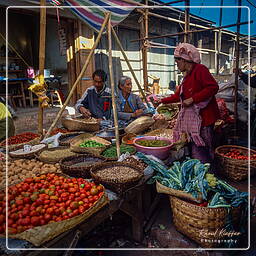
145 49
129 66
110 64
237 64
80 75
192 31
186 21
41 59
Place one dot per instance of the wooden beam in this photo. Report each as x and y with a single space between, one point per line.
192 31
129 66
41 59
80 75
111 76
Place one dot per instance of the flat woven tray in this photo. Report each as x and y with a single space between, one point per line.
118 176
79 166
54 155
20 153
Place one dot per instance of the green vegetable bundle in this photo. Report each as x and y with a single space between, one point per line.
91 144
111 152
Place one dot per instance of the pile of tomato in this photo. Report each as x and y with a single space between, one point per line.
44 199
235 154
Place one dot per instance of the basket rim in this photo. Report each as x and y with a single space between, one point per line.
238 147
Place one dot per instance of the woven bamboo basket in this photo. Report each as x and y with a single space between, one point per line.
173 108
20 153
74 145
233 168
178 193
201 224
128 138
41 234
113 181
65 139
80 124
75 166
54 155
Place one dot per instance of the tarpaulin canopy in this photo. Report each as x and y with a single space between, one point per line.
94 16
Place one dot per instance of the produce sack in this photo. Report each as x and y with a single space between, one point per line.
139 125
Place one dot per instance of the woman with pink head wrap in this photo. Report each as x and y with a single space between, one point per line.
199 109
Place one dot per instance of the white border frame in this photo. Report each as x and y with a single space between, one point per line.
132 249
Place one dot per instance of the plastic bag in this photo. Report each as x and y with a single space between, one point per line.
52 141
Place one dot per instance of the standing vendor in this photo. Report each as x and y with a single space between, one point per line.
7 128
199 109
129 105
96 100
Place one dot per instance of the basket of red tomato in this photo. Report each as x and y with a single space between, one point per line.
42 207
233 161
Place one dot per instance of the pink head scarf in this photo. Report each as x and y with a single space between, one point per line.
187 52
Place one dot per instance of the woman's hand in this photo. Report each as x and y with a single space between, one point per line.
187 102
85 112
137 113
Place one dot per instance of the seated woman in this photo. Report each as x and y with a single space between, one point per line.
129 105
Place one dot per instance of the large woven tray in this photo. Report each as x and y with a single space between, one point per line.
41 234
201 224
80 124
233 168
69 165
113 181
54 155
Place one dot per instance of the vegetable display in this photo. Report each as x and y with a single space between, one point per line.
21 169
91 144
20 138
152 143
45 199
235 154
112 153
192 177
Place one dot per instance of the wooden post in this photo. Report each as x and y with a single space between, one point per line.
186 36
111 76
80 75
41 59
237 63
145 48
129 66
219 40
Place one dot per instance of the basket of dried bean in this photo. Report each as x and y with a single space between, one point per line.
54 155
85 144
79 166
117 176
233 161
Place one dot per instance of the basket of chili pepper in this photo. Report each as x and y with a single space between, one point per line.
233 161
15 142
